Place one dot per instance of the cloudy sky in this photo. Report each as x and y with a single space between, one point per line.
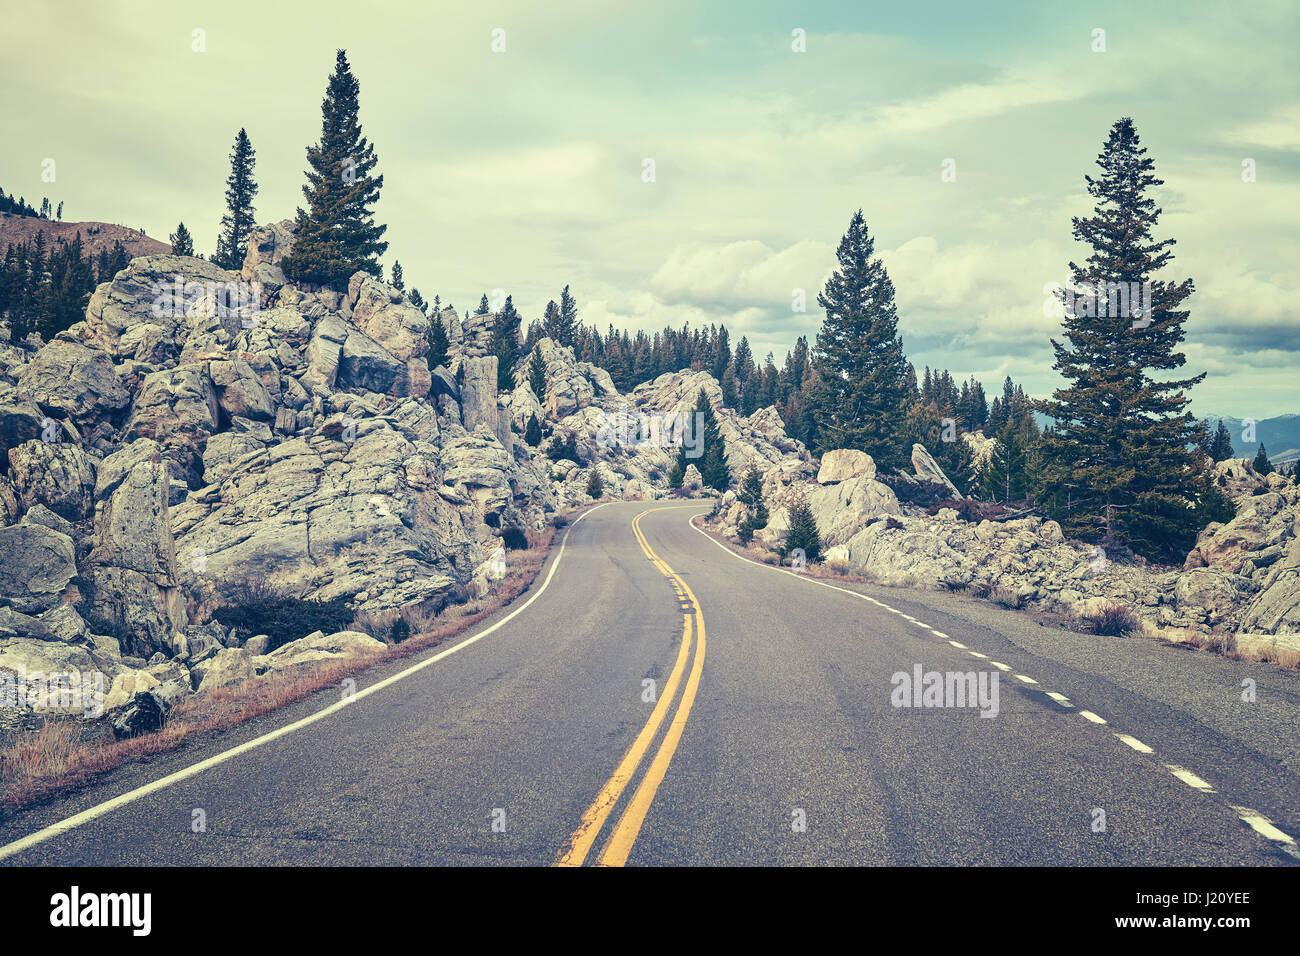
523 169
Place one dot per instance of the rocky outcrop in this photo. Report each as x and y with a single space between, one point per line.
132 573
202 429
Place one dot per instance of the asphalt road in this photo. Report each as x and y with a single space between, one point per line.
768 736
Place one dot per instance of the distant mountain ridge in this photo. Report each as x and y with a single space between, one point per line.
1280 435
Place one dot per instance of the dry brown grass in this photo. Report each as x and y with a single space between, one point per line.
54 758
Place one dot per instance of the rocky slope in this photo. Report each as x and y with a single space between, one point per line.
188 439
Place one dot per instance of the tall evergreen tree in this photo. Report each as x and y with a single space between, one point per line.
566 320
864 399
337 234
505 343
182 242
1261 464
1221 445
439 343
238 222
1117 464
537 375
398 282
706 438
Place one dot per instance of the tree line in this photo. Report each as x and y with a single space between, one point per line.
45 288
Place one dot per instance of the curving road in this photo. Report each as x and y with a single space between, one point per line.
661 701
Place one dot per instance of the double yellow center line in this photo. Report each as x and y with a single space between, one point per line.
619 845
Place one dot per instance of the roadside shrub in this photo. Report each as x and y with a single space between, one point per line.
400 631
1006 597
514 539
559 521
560 449
1111 621
256 607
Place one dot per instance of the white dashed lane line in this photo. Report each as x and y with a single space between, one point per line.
1189 778
1136 744
1263 826
1256 821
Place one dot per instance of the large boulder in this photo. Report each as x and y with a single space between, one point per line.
38 565
267 245
69 379
1276 608
478 393
927 470
324 352
384 314
145 313
367 365
317 649
240 391
59 476
843 464
178 409
132 575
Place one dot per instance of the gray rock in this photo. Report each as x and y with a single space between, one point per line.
60 477
39 564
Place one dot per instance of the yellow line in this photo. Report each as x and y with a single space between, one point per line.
581 841
629 825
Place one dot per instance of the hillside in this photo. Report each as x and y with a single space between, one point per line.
94 235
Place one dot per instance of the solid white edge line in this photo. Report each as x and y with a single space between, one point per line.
99 810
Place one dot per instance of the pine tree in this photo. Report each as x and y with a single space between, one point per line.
551 322
595 487
505 344
864 400
1005 476
182 242
706 438
398 282
537 375
677 474
533 431
438 342
337 235
566 320
1221 445
1261 464
1117 463
803 533
751 495
417 300
237 224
